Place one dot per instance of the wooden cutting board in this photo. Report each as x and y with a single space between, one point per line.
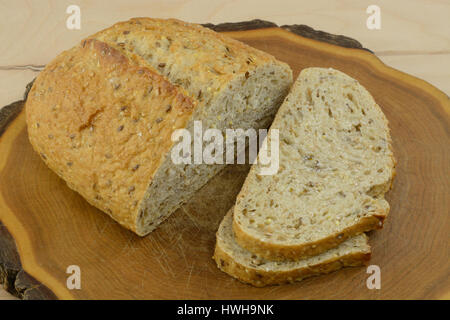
47 227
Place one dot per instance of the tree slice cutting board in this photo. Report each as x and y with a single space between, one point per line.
46 227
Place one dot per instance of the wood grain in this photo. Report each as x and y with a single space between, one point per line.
414 31
407 25
54 227
15 280
418 65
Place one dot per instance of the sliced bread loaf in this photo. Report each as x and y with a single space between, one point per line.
249 268
335 165
102 114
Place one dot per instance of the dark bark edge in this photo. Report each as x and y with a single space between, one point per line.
299 29
10 112
15 280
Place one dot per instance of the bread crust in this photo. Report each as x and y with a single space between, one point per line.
280 252
261 278
182 36
85 110
101 115
277 252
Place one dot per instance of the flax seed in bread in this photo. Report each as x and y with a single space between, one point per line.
101 115
335 165
249 268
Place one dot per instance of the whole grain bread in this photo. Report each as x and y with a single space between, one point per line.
101 115
249 268
335 165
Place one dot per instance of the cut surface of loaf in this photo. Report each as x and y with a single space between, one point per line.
249 268
102 114
335 165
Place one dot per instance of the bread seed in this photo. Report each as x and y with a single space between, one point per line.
299 223
120 128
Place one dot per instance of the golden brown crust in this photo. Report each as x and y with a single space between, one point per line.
103 122
184 36
189 55
101 114
260 278
280 252
276 252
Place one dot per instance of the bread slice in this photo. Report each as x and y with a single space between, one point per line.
335 165
249 268
102 114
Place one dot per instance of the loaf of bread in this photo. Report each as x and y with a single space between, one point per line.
335 165
249 268
101 115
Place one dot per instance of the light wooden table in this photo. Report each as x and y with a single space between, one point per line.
414 35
